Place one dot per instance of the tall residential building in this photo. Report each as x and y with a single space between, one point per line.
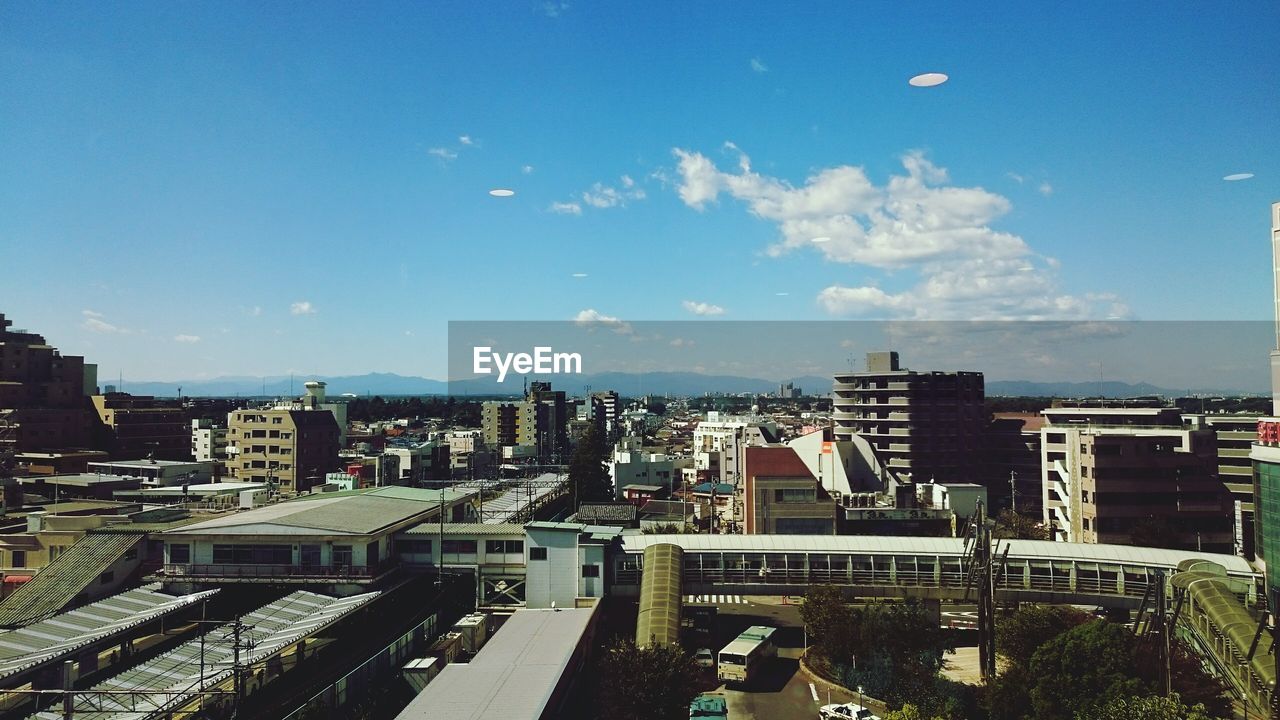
291 447
926 425
606 407
1266 453
43 394
140 426
1106 471
209 443
1236 435
551 437
507 424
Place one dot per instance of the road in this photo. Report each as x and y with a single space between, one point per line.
783 692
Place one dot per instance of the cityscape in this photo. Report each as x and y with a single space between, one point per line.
544 361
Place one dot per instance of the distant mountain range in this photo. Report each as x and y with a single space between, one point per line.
627 384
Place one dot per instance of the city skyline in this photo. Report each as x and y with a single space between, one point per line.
234 190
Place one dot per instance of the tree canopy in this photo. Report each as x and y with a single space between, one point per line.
655 682
893 650
1084 668
1019 635
588 472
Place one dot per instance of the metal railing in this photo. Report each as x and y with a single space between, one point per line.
171 570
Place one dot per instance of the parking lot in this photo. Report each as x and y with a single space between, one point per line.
782 692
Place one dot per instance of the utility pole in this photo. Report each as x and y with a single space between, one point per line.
982 575
1013 492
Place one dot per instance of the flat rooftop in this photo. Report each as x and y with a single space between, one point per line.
514 676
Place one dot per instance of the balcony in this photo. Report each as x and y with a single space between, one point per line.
274 573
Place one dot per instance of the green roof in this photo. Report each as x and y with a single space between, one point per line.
57 585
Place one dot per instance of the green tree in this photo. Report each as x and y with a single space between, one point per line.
1011 525
656 682
1008 695
587 470
1082 669
909 712
1152 707
1022 633
1189 679
894 650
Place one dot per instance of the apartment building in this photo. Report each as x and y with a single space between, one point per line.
43 394
1236 435
140 426
508 424
926 425
1108 470
719 442
291 448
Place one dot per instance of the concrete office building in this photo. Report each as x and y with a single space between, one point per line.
927 425
1107 470
782 497
209 443
719 442
551 422
1265 453
291 448
43 394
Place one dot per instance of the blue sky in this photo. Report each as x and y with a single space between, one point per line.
193 190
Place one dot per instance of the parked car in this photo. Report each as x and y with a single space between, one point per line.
705 658
845 711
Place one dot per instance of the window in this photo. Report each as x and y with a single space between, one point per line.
252 555
538 553
273 433
795 495
19 558
804 526
341 555
309 555
55 551
415 547
504 546
590 571
277 421
459 547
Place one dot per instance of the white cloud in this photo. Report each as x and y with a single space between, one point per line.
681 342
847 344
93 322
554 9
466 140
917 221
302 307
1015 177
565 208
606 196
95 325
758 66
591 319
1045 189
189 339
702 308
527 169
255 311
445 154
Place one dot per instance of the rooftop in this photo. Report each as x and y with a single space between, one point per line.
514 676
57 585
354 513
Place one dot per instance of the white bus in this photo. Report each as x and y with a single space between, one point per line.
741 659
